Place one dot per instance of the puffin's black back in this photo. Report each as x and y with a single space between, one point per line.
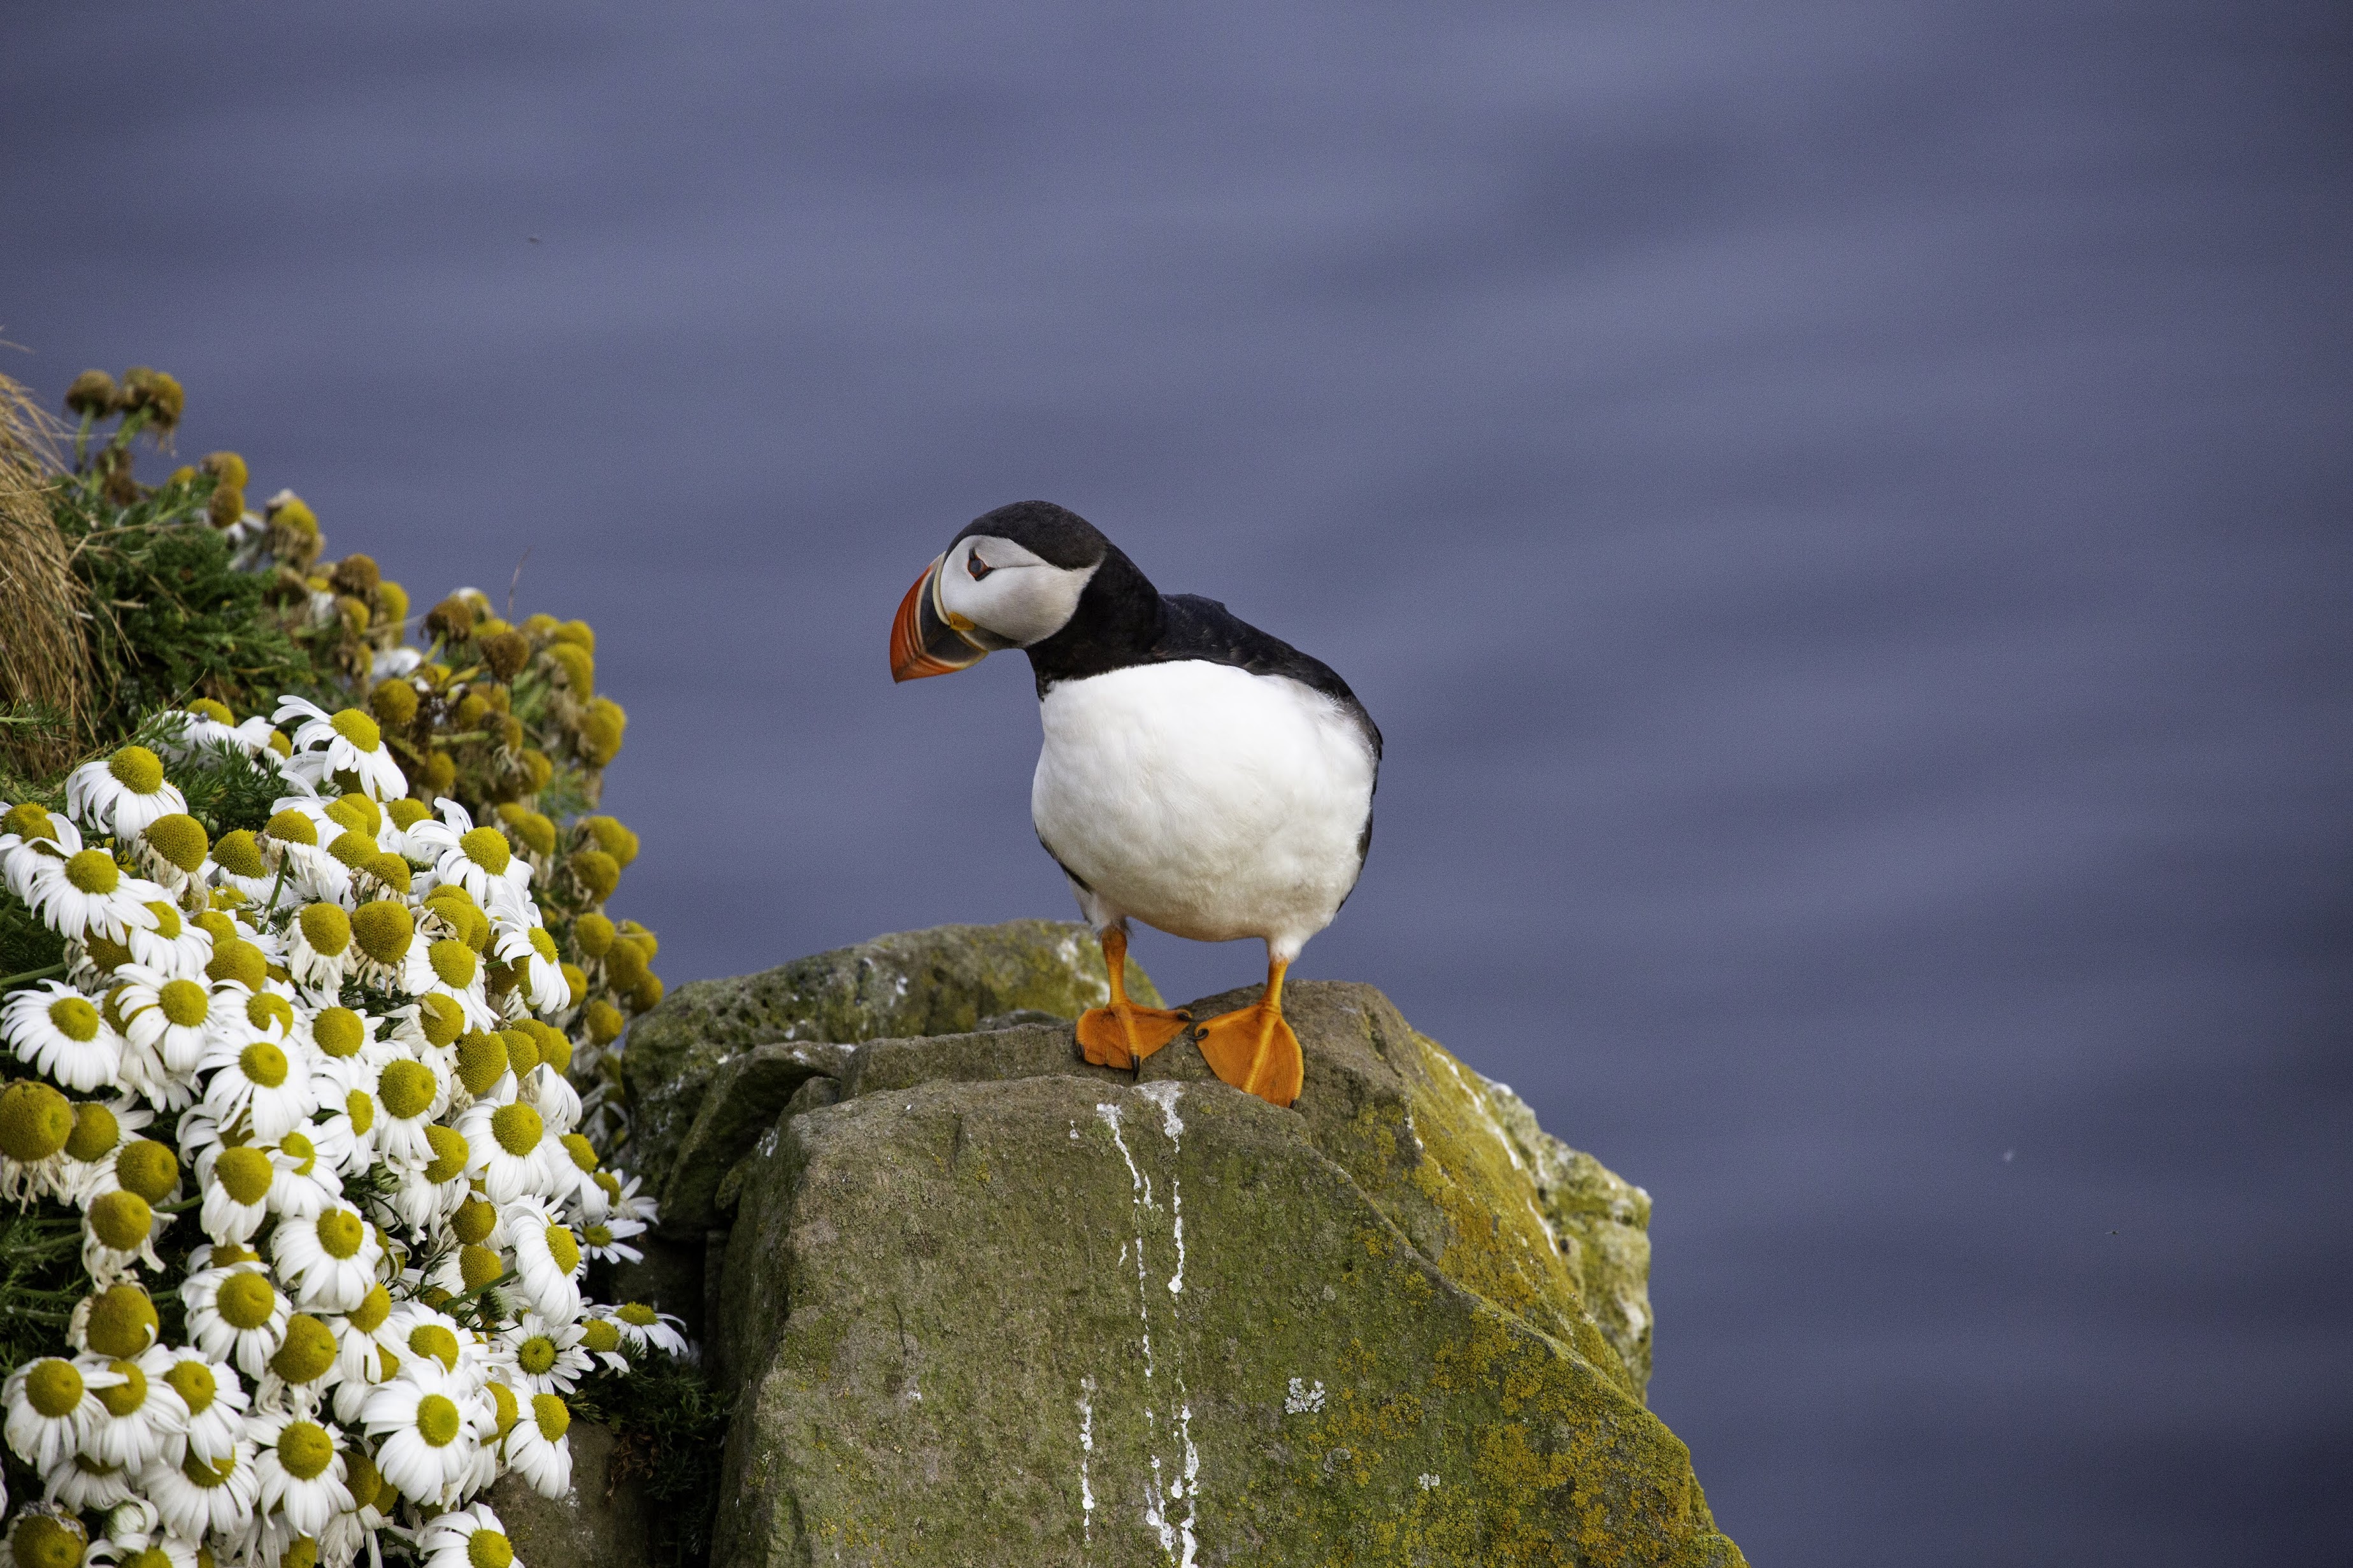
1123 620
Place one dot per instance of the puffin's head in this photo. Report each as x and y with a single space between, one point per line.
1011 579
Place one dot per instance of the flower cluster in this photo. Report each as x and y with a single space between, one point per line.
327 1098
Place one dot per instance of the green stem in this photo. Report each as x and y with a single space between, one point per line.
13 981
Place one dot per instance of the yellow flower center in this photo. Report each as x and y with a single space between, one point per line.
246 1300
238 853
383 928
308 1353
601 1336
121 1321
326 927
503 1399
244 1175
93 871
137 769
436 1420
305 1451
264 1063
55 1388
583 1152
338 1031
361 1110
482 1061
290 826
599 1236
562 1249
129 1395
42 1541
554 1416
304 1151
373 1310
269 1010
486 847
477 1265
180 839
522 1050
488 1549
35 1121
636 1313
354 848
449 1154
536 1354
407 1088
194 1381
167 919
207 1473
122 1220
518 1129
184 1003
453 963
358 728
474 1221
95 1132
148 1168
340 1232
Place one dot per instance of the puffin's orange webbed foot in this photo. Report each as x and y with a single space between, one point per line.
1121 1034
1124 1034
1253 1049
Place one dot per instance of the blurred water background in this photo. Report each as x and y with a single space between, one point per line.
1840 511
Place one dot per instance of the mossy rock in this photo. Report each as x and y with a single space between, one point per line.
934 982
983 1303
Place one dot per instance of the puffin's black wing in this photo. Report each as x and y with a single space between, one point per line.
1195 628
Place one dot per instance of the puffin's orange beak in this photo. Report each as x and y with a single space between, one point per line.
921 641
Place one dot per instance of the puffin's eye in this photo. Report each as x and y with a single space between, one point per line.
977 567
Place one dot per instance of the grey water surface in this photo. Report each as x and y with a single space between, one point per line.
1840 512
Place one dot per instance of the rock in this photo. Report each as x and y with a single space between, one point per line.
983 1303
914 983
601 1524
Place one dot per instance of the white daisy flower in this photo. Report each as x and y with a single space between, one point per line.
263 1079
119 1233
86 1485
369 1350
411 1091
123 793
527 946
512 1150
52 1404
642 1328
301 1466
201 726
607 1240
306 1185
237 1183
548 1262
319 951
544 1355
302 866
87 894
537 1449
304 1367
45 1536
144 1415
347 1534
135 1538
168 944
428 1425
600 1337
237 1315
467 1538
349 741
100 1144
199 1495
56 1030
37 1122
329 1262
169 1014
243 863
216 1402
479 859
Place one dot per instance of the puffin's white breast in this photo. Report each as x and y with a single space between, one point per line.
1205 800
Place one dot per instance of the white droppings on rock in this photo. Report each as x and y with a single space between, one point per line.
1164 1095
1086 1458
1429 1481
1301 1399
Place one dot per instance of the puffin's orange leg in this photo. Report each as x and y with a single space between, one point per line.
1253 1048
1124 1034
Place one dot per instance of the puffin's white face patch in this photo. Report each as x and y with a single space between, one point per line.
1008 591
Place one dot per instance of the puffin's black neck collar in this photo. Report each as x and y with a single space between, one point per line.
1116 625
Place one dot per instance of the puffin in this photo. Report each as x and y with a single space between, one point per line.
1197 774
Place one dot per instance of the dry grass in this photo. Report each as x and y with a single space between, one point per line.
46 679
